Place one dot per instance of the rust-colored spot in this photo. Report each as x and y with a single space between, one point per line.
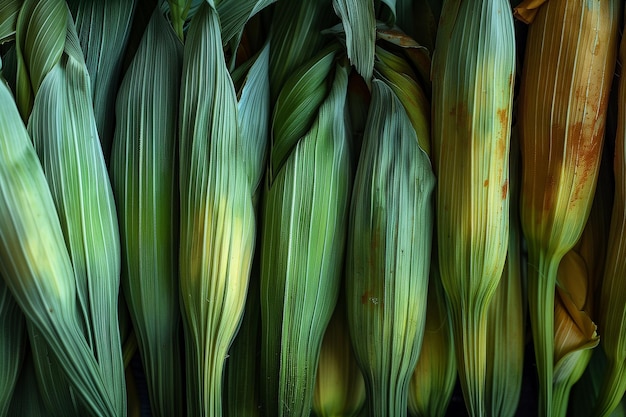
365 297
510 79
503 117
505 189
486 183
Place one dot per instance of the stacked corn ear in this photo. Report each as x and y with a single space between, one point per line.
12 340
569 61
432 383
35 262
26 400
389 248
339 385
62 127
103 29
217 216
612 307
472 76
505 321
575 333
304 229
243 365
144 176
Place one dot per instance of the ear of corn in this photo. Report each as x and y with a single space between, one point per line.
569 61
473 72
243 367
63 130
35 263
103 29
359 24
612 307
339 385
12 339
217 218
145 181
505 321
575 333
432 383
389 248
304 227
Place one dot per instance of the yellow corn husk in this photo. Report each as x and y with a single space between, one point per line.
243 365
389 248
612 307
217 216
569 61
144 177
304 230
505 322
103 29
35 263
473 73
339 385
62 127
12 345
575 333
432 383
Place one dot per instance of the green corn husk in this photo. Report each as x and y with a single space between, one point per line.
432 383
612 307
243 366
27 400
562 112
473 73
62 127
103 29
35 263
575 333
587 389
217 216
339 385
389 250
144 175
12 345
304 228
505 321
359 24
296 38
9 10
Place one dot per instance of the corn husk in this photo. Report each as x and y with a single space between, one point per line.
388 252
26 400
612 308
12 345
562 108
575 333
144 175
433 380
217 217
473 73
304 228
103 29
339 385
35 263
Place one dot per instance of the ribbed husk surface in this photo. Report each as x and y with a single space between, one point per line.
304 230
12 344
472 80
217 216
570 56
612 320
389 248
145 180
